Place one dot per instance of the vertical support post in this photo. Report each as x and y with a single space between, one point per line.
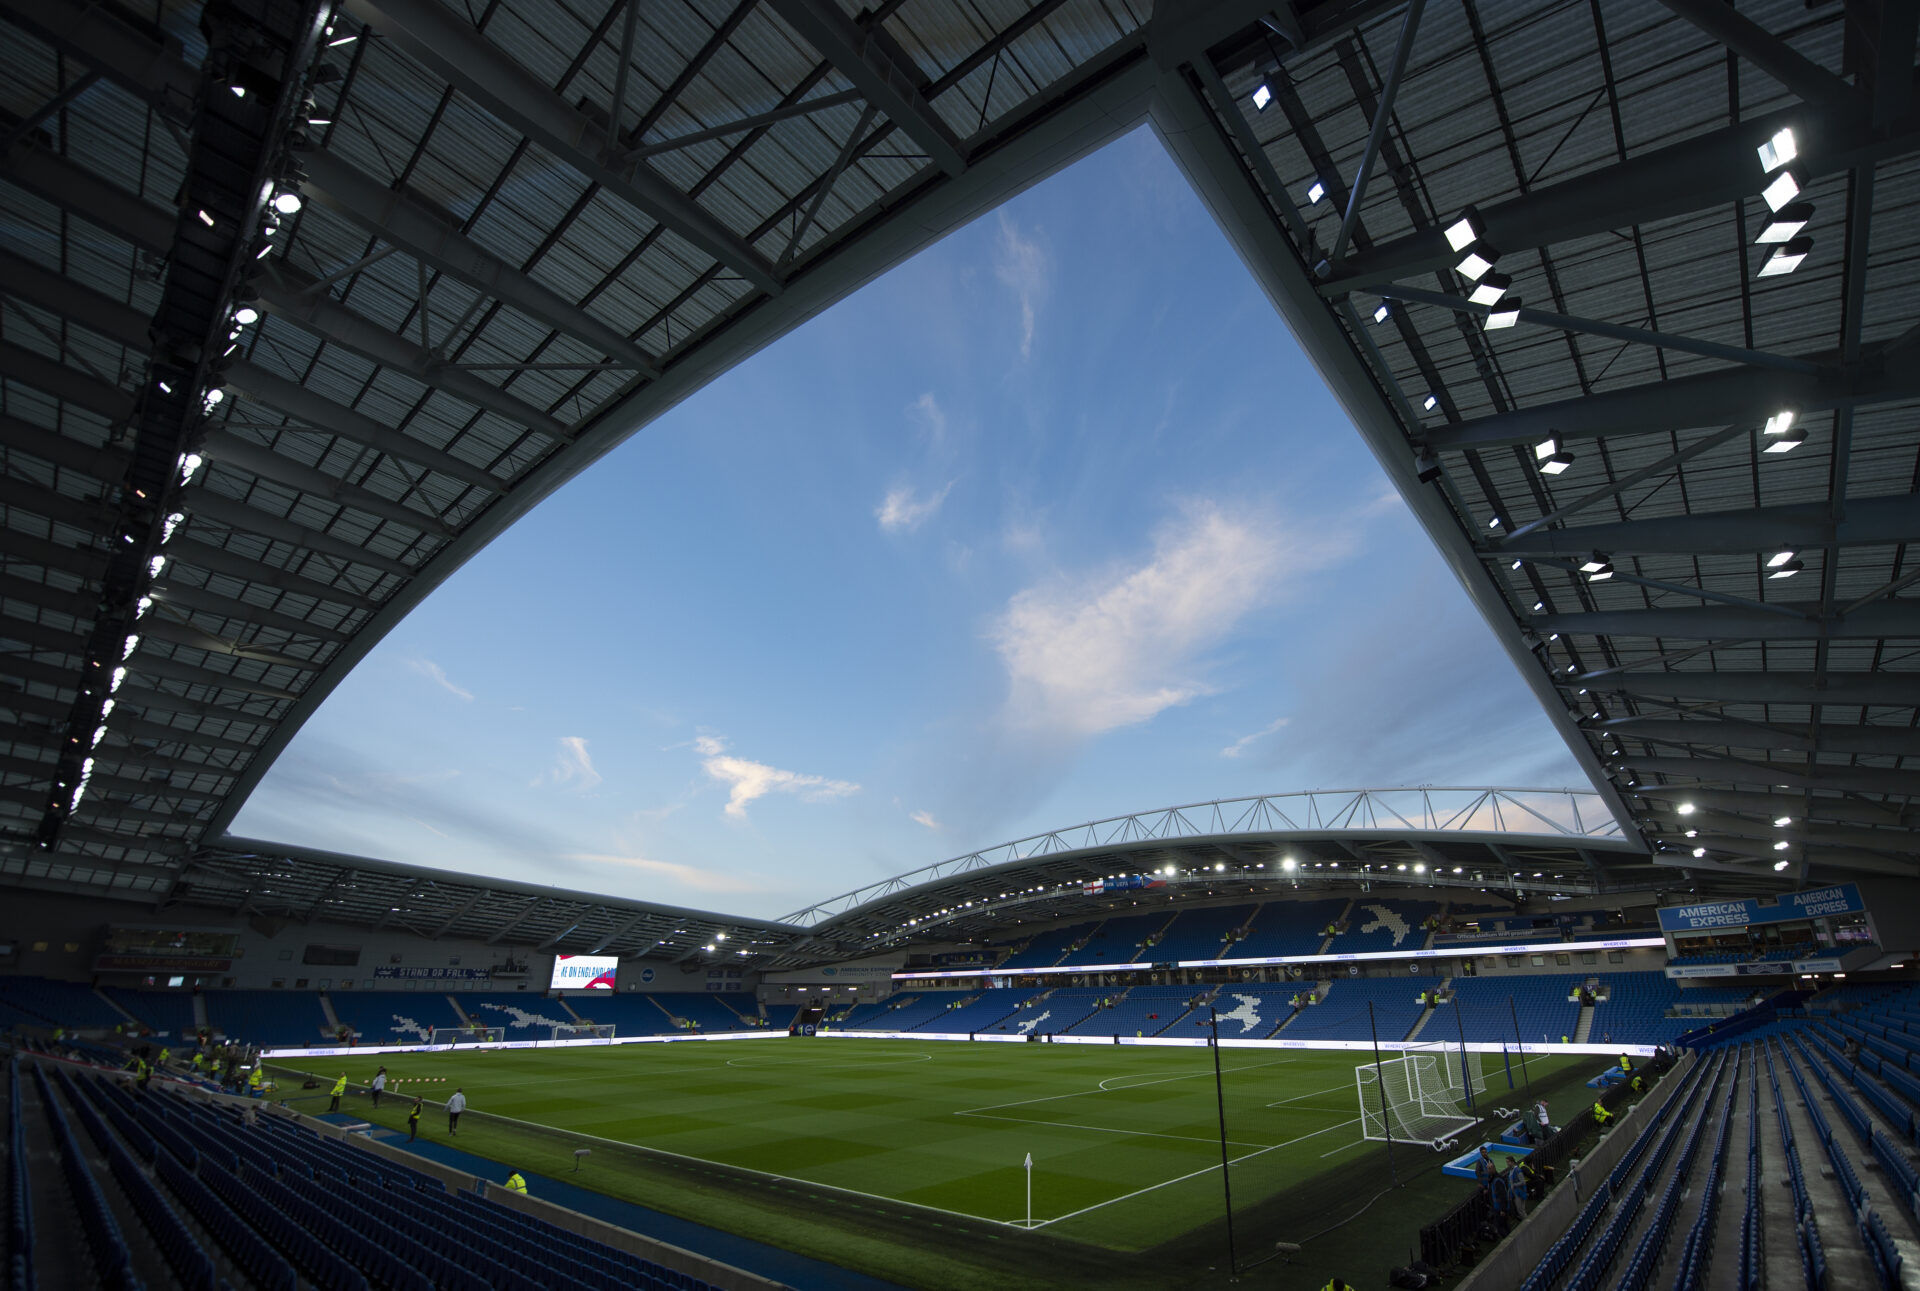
1466 1076
1220 1099
1520 1042
1380 1088
618 108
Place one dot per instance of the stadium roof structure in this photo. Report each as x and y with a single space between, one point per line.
1508 841
304 304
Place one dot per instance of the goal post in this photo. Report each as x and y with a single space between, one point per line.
586 1031
1426 1095
468 1035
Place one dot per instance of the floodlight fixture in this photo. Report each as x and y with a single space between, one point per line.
1427 466
1781 846
1288 864
1781 865
1490 289
1787 569
1781 822
132 644
1685 809
1504 314
1786 257
1556 464
189 463
1785 223
155 565
1517 563
1263 95
1431 402
245 315
1693 833
1699 851
1778 559
205 218
1466 230
1219 867
1381 312
1782 188
1419 868
1597 561
1787 441
1538 606
1476 261
1493 522
1780 423
1601 574
287 202
1779 150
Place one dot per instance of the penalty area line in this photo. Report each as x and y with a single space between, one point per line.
1141 1192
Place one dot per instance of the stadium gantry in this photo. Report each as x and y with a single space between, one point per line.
304 304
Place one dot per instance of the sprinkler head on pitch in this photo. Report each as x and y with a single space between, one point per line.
577 1154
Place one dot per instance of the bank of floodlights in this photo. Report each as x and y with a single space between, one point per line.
1785 182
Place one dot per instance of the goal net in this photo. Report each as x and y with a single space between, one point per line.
1424 1096
589 1031
469 1035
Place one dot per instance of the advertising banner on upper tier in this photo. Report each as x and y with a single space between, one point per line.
1789 907
583 972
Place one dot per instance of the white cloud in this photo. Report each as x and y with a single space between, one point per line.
749 780
1239 746
432 672
1020 263
902 510
925 818
574 767
926 410
687 875
1114 649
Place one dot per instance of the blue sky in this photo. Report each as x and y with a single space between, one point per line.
1051 523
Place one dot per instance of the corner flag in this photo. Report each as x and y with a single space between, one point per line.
1029 1160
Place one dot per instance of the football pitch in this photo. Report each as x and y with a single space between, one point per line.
1125 1140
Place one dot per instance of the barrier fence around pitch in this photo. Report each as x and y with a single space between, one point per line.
331 1051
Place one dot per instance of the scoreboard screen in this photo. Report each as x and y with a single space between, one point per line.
583 972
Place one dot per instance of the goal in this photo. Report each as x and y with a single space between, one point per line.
590 1031
1424 1096
469 1035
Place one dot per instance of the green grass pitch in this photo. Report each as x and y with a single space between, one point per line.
1125 1139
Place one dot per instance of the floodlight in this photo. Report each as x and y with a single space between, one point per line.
1781 865
173 522
189 463
1538 606
1419 868
1381 311
1315 192
1780 423
205 218
1780 846
1693 833
1517 563
1782 188
1787 569
1466 230
1699 851
1787 442
1778 151
1685 809
155 565
1478 259
1593 563
1493 522
1778 559
1505 314
1786 223
287 202
246 314
1556 463
1786 257
1782 821
1288 865
144 604
1431 402
1490 289
1262 95
1219 867
1546 448
1601 574
132 644
119 675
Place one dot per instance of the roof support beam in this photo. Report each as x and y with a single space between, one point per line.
1869 521
45 289
80 192
295 400
1892 689
889 81
284 293
1708 170
1799 622
806 107
1382 118
175 670
161 701
229 449
80 605
1828 737
400 218
438 38
465 908
155 628
80 513
104 464
200 600
50 376
1843 779
1813 83
518 919
219 560
1771 806
618 933
204 504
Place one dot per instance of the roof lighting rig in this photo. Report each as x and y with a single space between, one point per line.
240 179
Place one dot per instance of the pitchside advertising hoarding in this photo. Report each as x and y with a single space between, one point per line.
583 972
1790 907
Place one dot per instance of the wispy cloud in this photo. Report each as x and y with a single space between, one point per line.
1239 746
573 767
925 818
927 413
749 780
901 511
434 673
686 875
1115 648
1020 263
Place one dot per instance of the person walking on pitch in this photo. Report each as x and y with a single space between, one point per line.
379 1086
339 1088
455 1105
